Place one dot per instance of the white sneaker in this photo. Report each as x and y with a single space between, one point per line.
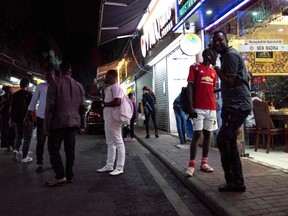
190 171
106 168
116 172
15 155
206 168
27 159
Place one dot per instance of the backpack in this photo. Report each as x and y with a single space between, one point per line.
124 112
184 96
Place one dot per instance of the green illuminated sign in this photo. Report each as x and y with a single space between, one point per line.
185 6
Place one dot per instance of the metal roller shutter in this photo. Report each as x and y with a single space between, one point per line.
161 92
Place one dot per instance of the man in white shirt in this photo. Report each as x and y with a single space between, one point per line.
39 96
113 94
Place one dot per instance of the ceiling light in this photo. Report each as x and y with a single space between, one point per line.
109 28
115 4
126 36
227 14
38 80
208 12
146 14
281 30
15 80
254 13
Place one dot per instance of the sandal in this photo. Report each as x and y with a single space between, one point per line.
56 182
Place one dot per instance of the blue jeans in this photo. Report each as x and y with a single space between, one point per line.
23 132
189 129
227 144
181 125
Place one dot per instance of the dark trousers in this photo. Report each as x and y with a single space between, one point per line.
227 144
55 139
40 141
7 133
147 117
23 132
130 129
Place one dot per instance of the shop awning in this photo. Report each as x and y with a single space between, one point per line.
119 18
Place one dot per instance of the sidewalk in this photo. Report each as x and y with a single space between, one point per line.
267 188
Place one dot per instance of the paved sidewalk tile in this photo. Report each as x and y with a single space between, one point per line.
267 188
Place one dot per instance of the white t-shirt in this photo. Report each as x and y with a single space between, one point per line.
111 92
39 96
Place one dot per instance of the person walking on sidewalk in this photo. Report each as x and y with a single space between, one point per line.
236 107
23 129
180 120
7 130
112 98
130 128
40 96
202 109
64 116
149 102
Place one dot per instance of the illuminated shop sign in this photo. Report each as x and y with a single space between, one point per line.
157 27
190 44
264 41
263 48
184 6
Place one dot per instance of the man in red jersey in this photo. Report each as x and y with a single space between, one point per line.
202 109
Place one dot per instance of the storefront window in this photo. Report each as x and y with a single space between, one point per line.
262 33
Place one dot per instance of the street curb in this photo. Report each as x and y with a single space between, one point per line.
218 205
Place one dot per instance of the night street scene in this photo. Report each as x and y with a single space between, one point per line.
144 107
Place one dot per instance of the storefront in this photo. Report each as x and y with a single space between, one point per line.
259 34
169 65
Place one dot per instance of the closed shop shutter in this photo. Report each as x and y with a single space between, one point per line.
145 80
161 92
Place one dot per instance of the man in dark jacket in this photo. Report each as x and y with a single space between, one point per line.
236 107
64 115
24 129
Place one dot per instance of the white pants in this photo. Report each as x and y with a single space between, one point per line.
114 141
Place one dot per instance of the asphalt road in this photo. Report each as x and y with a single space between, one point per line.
145 188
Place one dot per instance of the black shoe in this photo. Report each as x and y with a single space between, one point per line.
147 136
156 135
39 169
232 188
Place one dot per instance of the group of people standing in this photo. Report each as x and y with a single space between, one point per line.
235 108
202 110
54 119
61 122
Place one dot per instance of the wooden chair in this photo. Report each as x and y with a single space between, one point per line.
264 124
247 132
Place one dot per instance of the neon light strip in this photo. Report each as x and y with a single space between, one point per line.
188 15
226 15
